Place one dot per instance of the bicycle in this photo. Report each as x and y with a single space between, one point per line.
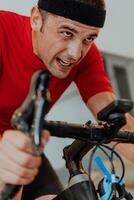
87 136
29 118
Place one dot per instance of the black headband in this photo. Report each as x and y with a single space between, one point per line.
75 10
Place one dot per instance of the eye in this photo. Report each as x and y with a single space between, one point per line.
89 40
67 34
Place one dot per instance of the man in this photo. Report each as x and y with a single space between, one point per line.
59 37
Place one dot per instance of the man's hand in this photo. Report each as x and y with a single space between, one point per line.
101 100
18 163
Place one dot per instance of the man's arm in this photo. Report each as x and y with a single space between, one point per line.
101 100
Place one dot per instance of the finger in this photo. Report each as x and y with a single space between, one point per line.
21 158
9 178
45 135
18 139
18 170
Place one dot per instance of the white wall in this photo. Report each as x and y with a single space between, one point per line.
22 7
118 35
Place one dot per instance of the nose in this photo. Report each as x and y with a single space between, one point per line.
75 50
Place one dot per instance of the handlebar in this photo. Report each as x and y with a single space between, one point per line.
89 133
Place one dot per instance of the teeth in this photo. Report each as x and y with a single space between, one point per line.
63 62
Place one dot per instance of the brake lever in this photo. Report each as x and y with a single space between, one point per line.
29 118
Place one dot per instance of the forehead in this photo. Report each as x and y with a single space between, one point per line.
61 22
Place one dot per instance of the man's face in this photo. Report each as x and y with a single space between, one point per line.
63 43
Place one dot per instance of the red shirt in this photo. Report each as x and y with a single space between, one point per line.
18 63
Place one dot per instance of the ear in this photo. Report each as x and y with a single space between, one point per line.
36 19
